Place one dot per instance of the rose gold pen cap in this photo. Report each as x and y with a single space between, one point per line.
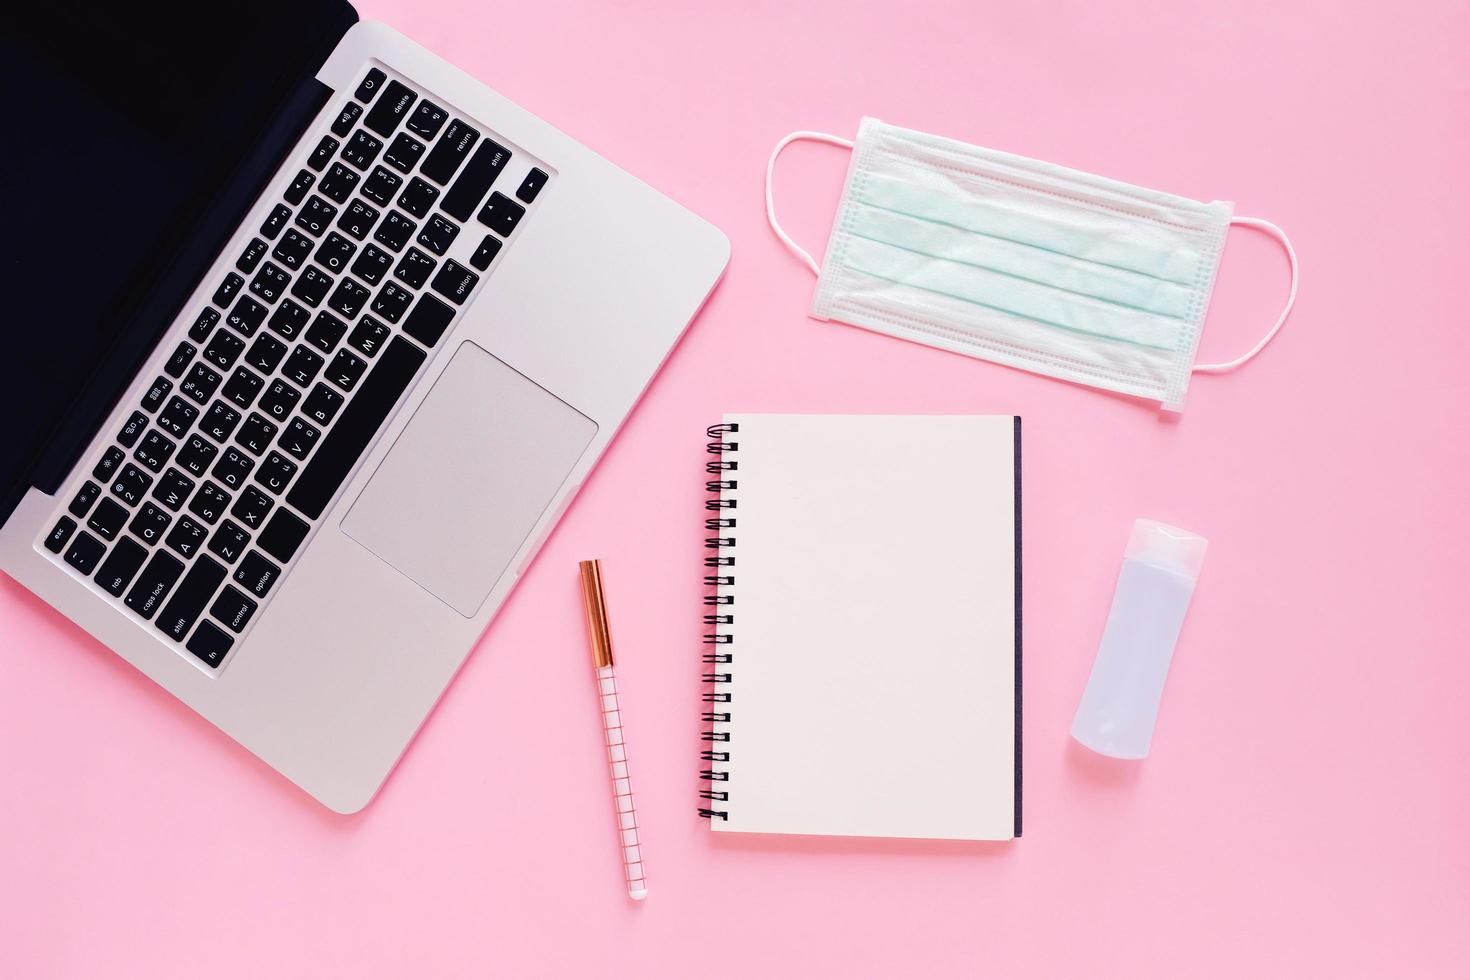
597 631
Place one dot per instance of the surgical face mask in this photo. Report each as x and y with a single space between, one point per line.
1022 262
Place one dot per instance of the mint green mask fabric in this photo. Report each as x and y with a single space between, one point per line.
1021 262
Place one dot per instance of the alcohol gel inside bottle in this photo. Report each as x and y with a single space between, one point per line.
1118 709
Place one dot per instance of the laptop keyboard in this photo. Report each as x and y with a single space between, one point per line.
261 411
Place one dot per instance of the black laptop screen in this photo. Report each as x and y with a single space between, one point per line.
128 125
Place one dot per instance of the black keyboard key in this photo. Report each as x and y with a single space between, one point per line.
108 465
298 437
302 366
256 434
108 518
486 253
369 85
219 421
418 197
289 319
391 109
355 428
427 119
438 234
265 353
372 265
362 150
173 489
182 355
335 252
196 454
277 470
186 538
278 400
131 429
233 467
200 383
501 214
233 609
395 231
415 268
358 219
346 370
381 186
189 599
209 643
299 187
455 282
257 574
293 249
270 282
175 419
275 221
531 186
208 317
322 404
223 349
349 298
316 216
85 498
85 552
210 502
156 393
451 150
428 321
131 484
120 567
283 535
228 289
149 523
246 317
338 183
404 153
252 507
252 255
158 577
60 534
155 450
392 302
343 123
229 541
311 286
323 153
242 387
488 160
325 331
368 336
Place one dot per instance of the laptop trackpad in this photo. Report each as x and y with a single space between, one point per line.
468 478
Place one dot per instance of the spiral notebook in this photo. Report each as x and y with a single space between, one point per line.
863 626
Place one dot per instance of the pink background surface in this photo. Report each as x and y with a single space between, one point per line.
1305 810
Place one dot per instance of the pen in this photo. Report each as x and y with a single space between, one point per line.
612 725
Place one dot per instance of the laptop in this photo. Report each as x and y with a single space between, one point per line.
310 340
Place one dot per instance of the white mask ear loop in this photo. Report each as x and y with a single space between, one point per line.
1275 233
791 246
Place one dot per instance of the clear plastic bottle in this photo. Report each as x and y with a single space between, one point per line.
1119 707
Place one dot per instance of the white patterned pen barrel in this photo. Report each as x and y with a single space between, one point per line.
612 725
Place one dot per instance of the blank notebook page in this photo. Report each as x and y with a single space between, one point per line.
873 679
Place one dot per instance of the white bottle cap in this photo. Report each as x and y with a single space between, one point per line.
1168 547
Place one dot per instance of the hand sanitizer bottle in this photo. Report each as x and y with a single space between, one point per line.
1118 709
